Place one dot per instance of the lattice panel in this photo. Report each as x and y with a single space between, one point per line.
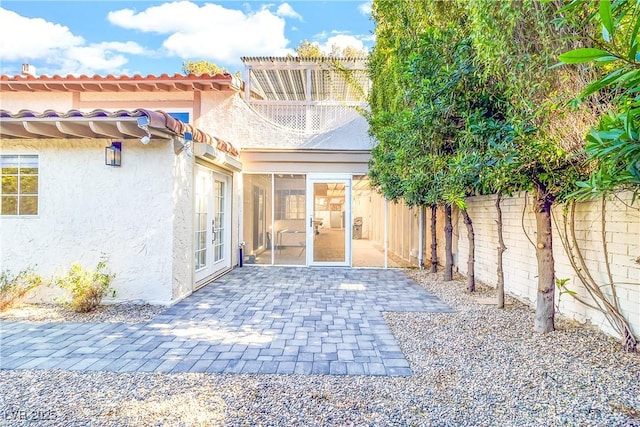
312 119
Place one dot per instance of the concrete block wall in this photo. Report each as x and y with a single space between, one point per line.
622 236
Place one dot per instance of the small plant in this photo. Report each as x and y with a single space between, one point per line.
13 288
561 284
87 288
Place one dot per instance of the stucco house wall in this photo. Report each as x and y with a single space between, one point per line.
226 114
39 101
140 214
183 226
87 209
110 101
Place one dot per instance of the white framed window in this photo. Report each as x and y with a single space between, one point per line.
290 204
19 192
295 205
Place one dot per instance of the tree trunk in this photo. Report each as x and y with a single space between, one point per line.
545 309
448 244
471 274
501 249
434 240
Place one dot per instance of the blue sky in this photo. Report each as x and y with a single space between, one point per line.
155 37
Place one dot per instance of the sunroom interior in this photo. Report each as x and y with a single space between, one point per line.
277 220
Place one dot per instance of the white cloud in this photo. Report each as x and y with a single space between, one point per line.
102 57
210 31
371 38
164 19
29 39
366 8
56 50
320 36
341 41
286 10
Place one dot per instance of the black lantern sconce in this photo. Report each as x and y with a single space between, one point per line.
113 154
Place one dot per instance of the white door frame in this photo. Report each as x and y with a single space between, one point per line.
211 267
312 179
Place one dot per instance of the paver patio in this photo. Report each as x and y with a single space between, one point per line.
271 320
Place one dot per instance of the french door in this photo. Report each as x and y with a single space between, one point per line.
212 223
328 220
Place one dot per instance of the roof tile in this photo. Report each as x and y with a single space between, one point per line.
157 119
123 83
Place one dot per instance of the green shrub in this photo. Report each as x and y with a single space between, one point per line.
87 288
13 288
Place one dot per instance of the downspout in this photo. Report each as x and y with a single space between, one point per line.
386 232
240 205
421 237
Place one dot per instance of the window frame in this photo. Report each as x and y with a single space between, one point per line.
295 206
19 194
287 200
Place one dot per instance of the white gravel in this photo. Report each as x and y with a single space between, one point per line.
478 366
120 313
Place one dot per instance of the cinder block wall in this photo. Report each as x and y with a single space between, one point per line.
622 236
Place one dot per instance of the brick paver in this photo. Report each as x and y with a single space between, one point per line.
271 320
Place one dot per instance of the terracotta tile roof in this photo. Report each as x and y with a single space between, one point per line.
136 83
102 124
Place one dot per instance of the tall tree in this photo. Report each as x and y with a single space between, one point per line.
202 67
392 118
517 47
426 75
452 54
307 49
614 144
497 178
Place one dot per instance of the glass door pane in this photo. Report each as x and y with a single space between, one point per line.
328 222
220 223
203 224
212 223
367 242
257 231
219 235
201 221
289 225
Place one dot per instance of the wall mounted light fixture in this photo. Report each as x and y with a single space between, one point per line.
113 154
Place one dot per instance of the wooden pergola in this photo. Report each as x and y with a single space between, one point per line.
309 95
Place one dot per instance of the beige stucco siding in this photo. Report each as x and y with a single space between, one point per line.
87 209
36 101
183 222
88 101
306 161
226 115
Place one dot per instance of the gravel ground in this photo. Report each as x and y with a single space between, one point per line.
477 366
121 313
